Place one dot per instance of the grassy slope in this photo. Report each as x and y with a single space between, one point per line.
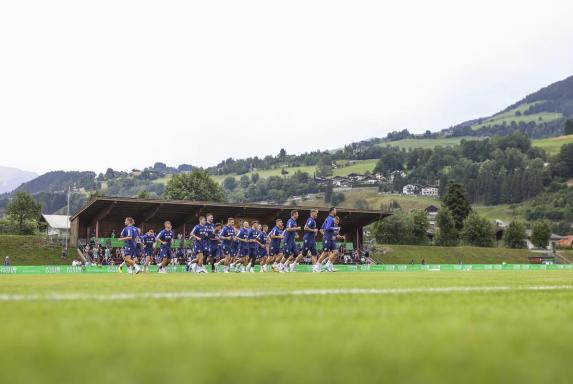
424 143
430 337
29 250
552 145
509 116
403 254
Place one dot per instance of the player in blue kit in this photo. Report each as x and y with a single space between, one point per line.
165 237
129 235
243 237
253 246
209 241
329 265
227 237
329 233
199 234
291 252
309 237
275 250
148 241
262 243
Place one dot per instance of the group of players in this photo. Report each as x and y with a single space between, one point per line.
239 246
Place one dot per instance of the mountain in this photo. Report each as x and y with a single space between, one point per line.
540 114
11 178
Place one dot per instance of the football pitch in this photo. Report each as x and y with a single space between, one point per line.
469 327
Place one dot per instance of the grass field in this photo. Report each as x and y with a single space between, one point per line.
29 250
425 143
468 327
509 116
553 145
403 254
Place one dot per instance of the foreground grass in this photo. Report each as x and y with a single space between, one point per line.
475 337
403 254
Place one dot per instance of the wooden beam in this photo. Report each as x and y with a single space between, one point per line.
103 214
151 214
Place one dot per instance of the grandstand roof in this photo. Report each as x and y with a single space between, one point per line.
185 211
57 221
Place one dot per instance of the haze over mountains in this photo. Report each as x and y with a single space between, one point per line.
11 178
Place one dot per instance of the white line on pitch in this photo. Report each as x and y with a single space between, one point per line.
255 294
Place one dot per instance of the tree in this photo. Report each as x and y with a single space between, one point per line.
478 231
394 229
514 236
328 191
143 194
22 209
447 232
197 185
324 167
419 227
244 181
568 127
230 183
541 234
254 178
457 202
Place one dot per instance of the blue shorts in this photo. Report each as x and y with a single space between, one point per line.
129 251
137 251
262 252
328 245
274 251
148 251
215 250
226 250
165 253
291 249
197 248
309 247
253 252
243 252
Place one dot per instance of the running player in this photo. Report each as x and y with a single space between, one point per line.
199 234
148 244
262 243
291 252
244 247
328 231
165 237
208 241
253 246
309 237
215 247
227 237
276 236
128 236
334 254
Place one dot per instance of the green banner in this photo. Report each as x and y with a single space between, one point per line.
63 269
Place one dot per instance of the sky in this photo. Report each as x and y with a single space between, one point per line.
124 84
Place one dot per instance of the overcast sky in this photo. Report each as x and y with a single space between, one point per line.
123 84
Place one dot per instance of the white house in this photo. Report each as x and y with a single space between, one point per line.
57 225
410 189
430 190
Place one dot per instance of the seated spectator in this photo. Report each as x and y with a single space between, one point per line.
7 261
76 263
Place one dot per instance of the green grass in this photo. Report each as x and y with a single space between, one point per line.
354 166
374 200
403 254
553 145
425 143
29 250
505 212
509 116
508 336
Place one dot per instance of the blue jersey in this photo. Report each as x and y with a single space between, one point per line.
310 237
329 228
132 233
227 231
275 243
244 233
200 232
210 230
148 241
290 235
262 238
166 236
252 236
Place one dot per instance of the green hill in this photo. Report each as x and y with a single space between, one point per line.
552 145
31 250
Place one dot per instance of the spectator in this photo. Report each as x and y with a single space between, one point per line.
107 254
113 234
76 263
64 253
7 261
423 261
